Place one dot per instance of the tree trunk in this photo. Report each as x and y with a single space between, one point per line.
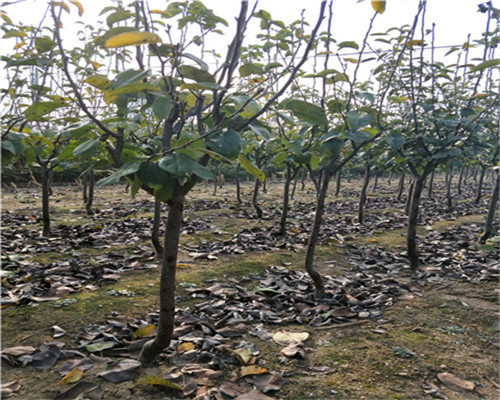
85 188
155 234
480 185
401 187
45 172
410 197
90 178
389 180
286 200
362 195
303 181
411 235
488 226
338 182
460 180
449 199
238 188
255 202
319 292
375 183
294 188
431 186
166 320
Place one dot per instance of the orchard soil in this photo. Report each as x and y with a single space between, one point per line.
450 326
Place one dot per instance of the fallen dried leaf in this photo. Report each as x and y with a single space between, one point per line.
287 338
455 383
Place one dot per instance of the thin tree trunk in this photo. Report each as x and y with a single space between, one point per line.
362 195
449 199
155 234
375 183
85 188
90 192
319 292
238 188
167 284
255 202
286 201
409 198
303 180
338 182
461 180
411 235
45 199
389 180
294 188
480 185
401 187
431 186
488 226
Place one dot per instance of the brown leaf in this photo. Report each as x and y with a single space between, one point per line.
254 395
293 350
19 350
455 383
72 376
252 370
90 390
287 338
433 390
126 370
9 388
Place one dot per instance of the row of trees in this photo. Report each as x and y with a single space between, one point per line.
145 96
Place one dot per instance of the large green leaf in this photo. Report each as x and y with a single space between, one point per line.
357 121
152 175
127 77
162 107
251 68
331 145
226 143
126 169
177 164
486 64
305 111
87 148
200 62
41 108
199 75
395 140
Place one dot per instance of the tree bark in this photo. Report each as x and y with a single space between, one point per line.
431 186
45 172
255 202
479 194
90 178
362 195
449 199
401 187
338 182
410 197
289 176
488 226
460 180
375 183
411 235
167 284
319 292
238 188
155 234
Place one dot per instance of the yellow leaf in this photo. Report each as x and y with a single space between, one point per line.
156 11
17 46
378 6
182 265
404 98
252 370
144 331
72 376
353 60
156 380
373 240
185 347
414 42
98 81
60 4
78 5
96 64
480 95
133 38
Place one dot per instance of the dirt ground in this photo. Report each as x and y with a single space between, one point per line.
447 326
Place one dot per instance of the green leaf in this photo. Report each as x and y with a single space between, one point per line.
260 131
358 137
395 140
156 380
215 156
200 62
87 148
41 108
331 145
349 44
44 44
120 15
16 147
127 168
162 107
113 32
251 68
199 75
486 64
203 86
76 131
127 77
357 121
165 192
95 347
111 95
226 143
305 111
251 169
177 164
202 172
